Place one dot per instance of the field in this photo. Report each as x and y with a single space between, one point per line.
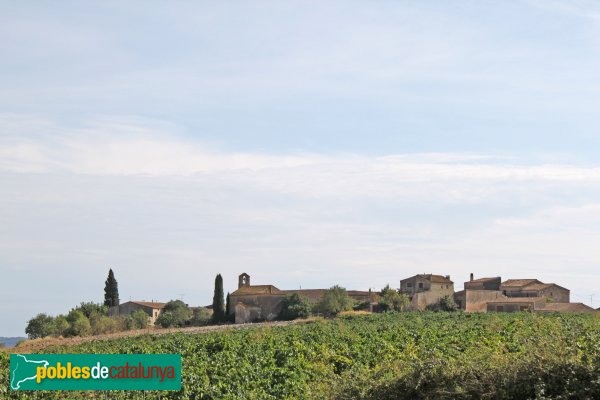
381 356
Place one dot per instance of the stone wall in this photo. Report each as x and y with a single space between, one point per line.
421 300
258 307
476 300
488 284
556 293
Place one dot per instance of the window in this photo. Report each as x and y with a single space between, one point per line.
420 285
409 284
500 308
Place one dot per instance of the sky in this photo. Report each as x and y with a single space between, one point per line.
306 143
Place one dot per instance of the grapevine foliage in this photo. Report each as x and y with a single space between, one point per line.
382 356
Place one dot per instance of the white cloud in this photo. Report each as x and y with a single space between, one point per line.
140 196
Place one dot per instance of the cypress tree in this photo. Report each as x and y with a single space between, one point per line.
111 290
218 301
227 308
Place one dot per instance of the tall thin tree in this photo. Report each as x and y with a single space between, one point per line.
111 290
227 308
218 300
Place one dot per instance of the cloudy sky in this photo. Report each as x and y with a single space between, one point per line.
306 143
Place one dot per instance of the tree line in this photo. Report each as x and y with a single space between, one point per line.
89 318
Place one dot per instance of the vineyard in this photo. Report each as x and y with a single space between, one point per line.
381 356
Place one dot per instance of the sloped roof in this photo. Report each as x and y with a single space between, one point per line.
567 307
537 286
432 278
358 293
439 279
149 304
542 286
257 290
519 282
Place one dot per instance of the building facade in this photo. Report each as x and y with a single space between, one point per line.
153 309
426 289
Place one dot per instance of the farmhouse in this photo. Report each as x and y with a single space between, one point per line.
490 294
153 309
426 289
534 288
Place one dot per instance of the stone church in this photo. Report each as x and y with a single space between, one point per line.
252 303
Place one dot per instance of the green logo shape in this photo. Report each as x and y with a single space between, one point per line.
95 371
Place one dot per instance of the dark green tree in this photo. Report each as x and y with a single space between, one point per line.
111 290
228 316
175 314
218 301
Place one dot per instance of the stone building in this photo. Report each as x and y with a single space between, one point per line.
153 309
252 303
535 288
426 289
490 294
315 295
477 293
255 303
513 304
483 283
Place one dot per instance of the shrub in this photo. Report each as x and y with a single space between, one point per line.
446 303
391 300
79 324
295 306
88 308
61 325
140 319
101 324
334 301
201 316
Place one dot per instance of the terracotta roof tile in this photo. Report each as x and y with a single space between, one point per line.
257 289
519 282
435 278
150 304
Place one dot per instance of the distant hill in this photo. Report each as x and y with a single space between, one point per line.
11 341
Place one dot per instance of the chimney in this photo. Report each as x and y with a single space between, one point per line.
448 277
471 276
